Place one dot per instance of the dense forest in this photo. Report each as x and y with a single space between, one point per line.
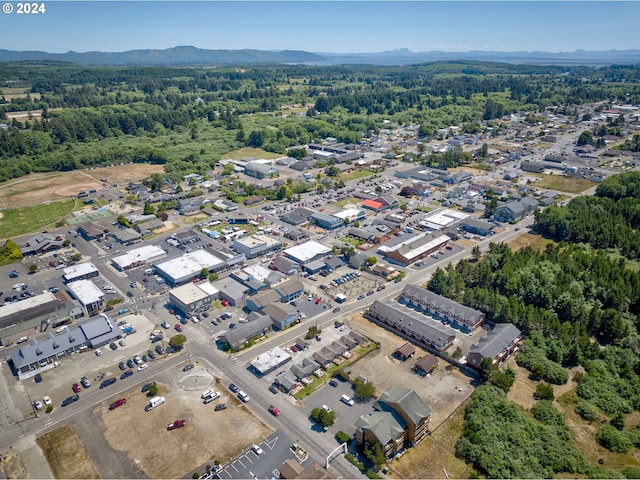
578 303
191 117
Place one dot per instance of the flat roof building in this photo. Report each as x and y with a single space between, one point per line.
414 248
188 266
307 252
138 257
256 245
193 297
85 291
18 312
270 360
82 271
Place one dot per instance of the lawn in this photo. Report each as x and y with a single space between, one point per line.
563 184
19 221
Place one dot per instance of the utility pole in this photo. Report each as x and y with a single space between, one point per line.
35 410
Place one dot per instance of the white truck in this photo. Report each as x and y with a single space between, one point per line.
153 403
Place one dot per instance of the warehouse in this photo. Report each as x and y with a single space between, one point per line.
184 268
414 248
138 257
18 316
90 297
256 245
307 252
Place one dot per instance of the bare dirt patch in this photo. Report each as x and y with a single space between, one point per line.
537 242
66 454
444 390
208 434
72 190
13 465
130 172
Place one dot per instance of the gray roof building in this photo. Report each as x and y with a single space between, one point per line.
498 345
247 331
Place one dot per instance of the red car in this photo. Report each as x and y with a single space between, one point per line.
317 301
117 403
179 327
76 388
225 303
274 410
176 424
381 287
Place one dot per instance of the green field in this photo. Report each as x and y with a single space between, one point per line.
563 184
19 221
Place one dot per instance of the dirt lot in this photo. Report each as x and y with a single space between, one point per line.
40 187
170 454
441 390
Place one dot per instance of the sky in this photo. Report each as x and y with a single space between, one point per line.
325 26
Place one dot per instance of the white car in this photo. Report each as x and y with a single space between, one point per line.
137 359
98 352
256 449
206 393
144 366
61 329
37 405
326 408
47 401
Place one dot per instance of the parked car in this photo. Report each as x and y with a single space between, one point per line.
144 366
176 424
147 386
220 406
159 349
85 382
179 327
37 405
98 352
256 449
137 359
117 403
126 374
76 388
234 388
121 343
47 401
336 310
188 367
130 363
113 346
333 383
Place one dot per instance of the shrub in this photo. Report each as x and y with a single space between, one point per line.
544 391
343 437
587 410
612 439
631 472
195 475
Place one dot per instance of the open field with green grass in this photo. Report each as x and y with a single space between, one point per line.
356 174
19 221
251 152
562 183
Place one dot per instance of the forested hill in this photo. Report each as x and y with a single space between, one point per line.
171 56
189 55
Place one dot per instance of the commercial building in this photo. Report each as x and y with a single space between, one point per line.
90 297
498 345
282 314
307 252
41 243
184 268
256 245
477 227
414 248
247 331
269 361
82 271
289 290
17 317
193 298
138 257
452 311
516 209
351 214
412 325
328 222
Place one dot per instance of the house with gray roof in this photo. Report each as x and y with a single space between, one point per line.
232 291
450 310
478 227
282 314
260 300
245 332
498 345
284 265
286 380
305 368
324 357
516 209
289 290
41 243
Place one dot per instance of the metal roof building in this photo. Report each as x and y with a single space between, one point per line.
188 266
137 257
80 271
270 360
307 252
86 292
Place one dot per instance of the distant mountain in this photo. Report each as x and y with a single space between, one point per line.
170 56
188 55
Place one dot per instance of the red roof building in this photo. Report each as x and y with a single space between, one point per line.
373 205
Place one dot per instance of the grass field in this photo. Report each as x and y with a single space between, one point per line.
19 221
66 454
562 183
537 242
251 152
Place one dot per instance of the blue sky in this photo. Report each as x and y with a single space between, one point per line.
327 26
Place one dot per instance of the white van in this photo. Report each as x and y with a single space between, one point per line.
347 399
243 396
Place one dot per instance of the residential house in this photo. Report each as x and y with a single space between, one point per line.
405 351
425 365
245 332
282 314
516 209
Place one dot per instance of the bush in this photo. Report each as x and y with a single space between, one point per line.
544 391
343 437
613 440
631 472
587 410
195 475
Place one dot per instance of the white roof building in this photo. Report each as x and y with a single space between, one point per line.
79 272
307 252
185 267
138 256
443 218
350 213
86 292
270 360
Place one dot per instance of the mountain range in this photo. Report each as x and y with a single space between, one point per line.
188 55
